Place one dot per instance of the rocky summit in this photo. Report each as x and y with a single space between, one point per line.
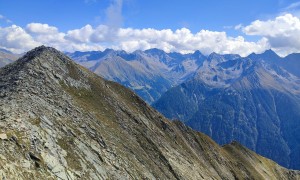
60 121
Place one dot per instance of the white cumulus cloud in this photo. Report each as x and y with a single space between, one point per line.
38 28
17 39
81 35
282 33
183 40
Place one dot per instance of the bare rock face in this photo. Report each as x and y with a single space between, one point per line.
60 121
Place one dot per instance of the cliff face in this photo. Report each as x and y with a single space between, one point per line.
60 121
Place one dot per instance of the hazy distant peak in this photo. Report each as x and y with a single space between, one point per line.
213 54
269 51
5 51
155 51
268 56
197 54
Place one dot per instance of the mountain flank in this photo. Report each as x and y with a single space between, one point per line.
253 101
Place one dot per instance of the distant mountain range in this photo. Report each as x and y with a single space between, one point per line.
149 73
254 100
61 121
7 57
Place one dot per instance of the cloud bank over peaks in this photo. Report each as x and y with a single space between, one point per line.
18 39
282 33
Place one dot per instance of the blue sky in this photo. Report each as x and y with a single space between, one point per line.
158 14
223 16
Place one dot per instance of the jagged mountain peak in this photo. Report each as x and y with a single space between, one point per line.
222 57
270 52
5 51
232 56
82 53
268 56
108 50
213 55
155 51
44 58
43 66
197 54
41 49
44 54
216 58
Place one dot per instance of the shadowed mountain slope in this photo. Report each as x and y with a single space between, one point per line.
253 102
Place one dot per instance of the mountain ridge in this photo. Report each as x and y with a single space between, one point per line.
60 121
172 68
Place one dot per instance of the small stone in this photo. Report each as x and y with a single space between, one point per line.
18 120
31 115
2 157
34 157
57 76
3 136
46 120
25 164
59 112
